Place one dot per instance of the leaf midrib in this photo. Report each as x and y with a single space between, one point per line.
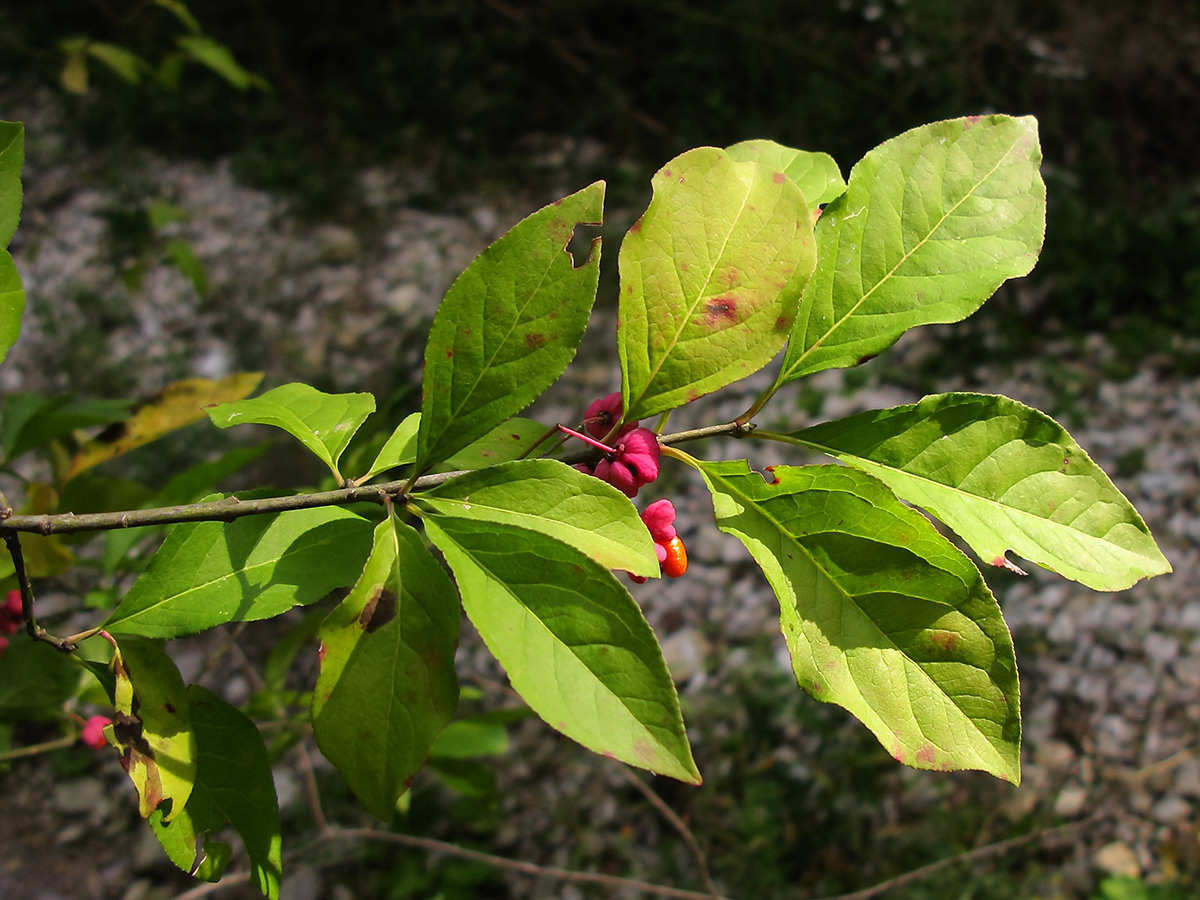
965 496
654 370
275 561
903 259
529 616
852 601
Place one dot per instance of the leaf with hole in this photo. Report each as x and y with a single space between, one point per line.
508 327
233 785
152 727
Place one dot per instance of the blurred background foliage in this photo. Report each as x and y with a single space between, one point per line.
479 88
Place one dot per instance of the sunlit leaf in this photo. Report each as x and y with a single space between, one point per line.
233 785
324 423
255 567
399 450
387 685
1004 477
710 278
816 174
177 405
12 157
152 727
507 441
574 643
508 327
932 222
882 615
548 496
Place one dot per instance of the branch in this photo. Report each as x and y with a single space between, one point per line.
231 508
996 849
35 631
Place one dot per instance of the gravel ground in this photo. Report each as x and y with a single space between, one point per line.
1110 682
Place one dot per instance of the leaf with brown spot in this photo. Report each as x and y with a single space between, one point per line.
152 725
881 614
387 685
508 327
720 256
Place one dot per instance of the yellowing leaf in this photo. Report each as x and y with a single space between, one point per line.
179 404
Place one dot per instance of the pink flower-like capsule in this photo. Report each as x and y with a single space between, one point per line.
93 731
635 463
10 613
659 519
599 418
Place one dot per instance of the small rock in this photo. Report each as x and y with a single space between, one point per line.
83 795
1117 858
1071 800
338 244
303 883
685 652
1170 810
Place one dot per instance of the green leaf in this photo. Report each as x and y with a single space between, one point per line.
324 423
180 11
219 59
12 303
35 681
126 64
1004 477
574 643
933 221
508 327
186 261
152 727
189 486
399 450
471 738
12 157
881 614
507 441
12 294
31 420
548 496
233 784
710 278
387 685
253 568
816 174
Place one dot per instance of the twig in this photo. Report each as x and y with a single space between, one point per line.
515 865
314 793
34 630
231 508
996 849
677 823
